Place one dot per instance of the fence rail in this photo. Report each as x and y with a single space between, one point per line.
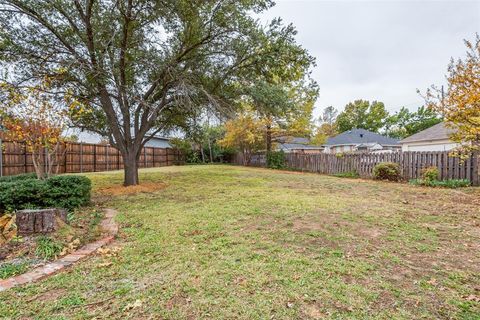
411 164
82 157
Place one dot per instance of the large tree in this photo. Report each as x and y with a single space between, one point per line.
460 102
132 68
362 114
405 123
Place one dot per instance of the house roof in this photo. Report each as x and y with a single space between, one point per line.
296 143
436 132
297 146
358 136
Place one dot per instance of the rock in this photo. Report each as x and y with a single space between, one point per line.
40 221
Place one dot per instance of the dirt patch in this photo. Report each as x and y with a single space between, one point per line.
311 311
119 190
176 301
50 295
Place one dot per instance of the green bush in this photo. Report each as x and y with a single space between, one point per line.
24 176
387 171
22 194
276 160
68 192
430 174
351 174
451 183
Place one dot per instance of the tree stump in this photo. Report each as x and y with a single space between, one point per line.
40 221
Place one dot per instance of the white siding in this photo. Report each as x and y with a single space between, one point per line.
439 145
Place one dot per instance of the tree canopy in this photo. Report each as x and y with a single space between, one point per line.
130 69
405 123
460 104
362 114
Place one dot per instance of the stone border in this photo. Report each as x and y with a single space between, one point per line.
108 225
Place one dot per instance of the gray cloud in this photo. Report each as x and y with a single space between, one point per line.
379 50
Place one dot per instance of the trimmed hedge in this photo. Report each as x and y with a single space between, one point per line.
387 171
67 192
24 176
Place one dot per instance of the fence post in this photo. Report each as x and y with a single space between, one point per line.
25 157
106 156
94 158
476 169
81 157
65 155
145 157
1 158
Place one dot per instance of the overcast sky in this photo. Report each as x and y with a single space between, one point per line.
379 50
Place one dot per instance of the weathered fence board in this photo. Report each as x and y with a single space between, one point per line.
411 163
82 157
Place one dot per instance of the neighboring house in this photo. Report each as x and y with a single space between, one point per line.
157 141
360 140
435 138
297 145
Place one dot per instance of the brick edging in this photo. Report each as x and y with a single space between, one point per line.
108 225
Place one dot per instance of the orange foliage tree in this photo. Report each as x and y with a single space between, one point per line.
460 103
245 134
31 117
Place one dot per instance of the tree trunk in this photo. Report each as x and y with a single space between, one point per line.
210 150
203 153
269 138
130 169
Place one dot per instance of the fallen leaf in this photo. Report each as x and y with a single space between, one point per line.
134 305
105 264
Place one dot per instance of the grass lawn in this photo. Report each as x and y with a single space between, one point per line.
224 242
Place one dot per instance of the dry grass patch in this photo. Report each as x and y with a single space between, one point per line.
120 190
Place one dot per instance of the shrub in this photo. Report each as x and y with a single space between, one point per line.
24 176
276 160
22 194
68 192
351 174
451 183
430 174
387 171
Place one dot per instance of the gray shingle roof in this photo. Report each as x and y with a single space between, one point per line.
357 136
297 146
436 132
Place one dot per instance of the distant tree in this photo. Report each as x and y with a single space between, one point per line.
405 123
460 104
362 114
329 115
245 134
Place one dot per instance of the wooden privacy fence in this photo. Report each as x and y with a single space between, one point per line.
411 163
82 157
